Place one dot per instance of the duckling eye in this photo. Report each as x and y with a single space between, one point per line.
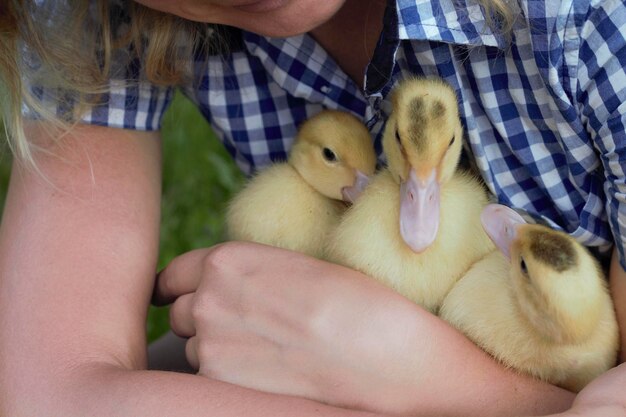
523 267
399 141
329 155
451 141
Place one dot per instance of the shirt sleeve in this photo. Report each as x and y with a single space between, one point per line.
602 100
138 106
130 102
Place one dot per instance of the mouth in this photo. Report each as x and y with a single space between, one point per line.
261 6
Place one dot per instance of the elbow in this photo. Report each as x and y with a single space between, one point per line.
67 389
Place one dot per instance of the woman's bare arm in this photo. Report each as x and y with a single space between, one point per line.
77 263
283 322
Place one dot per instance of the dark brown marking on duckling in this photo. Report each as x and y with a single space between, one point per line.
416 107
421 113
553 250
438 110
418 121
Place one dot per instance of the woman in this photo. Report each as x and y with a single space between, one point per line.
79 242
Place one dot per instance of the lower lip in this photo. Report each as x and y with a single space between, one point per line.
262 6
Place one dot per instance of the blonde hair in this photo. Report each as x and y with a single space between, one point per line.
68 46
499 16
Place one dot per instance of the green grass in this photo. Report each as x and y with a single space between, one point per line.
198 179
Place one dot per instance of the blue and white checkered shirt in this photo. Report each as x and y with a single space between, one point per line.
545 115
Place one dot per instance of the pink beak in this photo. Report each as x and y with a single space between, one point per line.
419 211
350 194
500 223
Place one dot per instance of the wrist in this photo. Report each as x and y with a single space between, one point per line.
435 370
396 371
376 357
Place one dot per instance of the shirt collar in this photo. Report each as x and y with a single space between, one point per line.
460 22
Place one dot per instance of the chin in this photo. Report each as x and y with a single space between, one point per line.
295 17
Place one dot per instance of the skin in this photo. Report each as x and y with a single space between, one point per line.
332 335
266 17
81 247
83 288
280 18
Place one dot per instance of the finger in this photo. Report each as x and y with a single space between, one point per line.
181 319
191 351
181 276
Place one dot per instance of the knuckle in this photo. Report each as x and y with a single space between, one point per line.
176 317
176 325
173 319
206 310
215 258
226 263
210 355
164 286
201 309
221 255
227 255
204 351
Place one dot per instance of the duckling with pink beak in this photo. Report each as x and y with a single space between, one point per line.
539 303
423 142
417 227
295 204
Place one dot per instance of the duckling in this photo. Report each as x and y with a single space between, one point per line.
416 228
295 204
539 304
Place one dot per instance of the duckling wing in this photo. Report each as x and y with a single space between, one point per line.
278 208
482 305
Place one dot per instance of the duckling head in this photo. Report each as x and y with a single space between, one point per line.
422 142
556 282
334 154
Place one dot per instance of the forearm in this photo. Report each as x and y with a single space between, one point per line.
97 389
332 334
454 377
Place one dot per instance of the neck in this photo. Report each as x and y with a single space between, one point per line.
350 36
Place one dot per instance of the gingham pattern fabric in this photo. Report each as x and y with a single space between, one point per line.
544 114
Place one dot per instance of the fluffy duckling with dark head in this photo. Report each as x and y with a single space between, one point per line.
416 228
539 304
295 204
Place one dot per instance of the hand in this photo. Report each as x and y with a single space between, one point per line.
285 323
282 322
603 397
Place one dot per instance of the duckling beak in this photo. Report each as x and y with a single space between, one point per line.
500 223
419 211
350 194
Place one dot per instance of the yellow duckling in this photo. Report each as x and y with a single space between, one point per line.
294 205
416 228
540 305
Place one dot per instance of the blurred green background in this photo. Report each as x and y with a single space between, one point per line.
199 177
